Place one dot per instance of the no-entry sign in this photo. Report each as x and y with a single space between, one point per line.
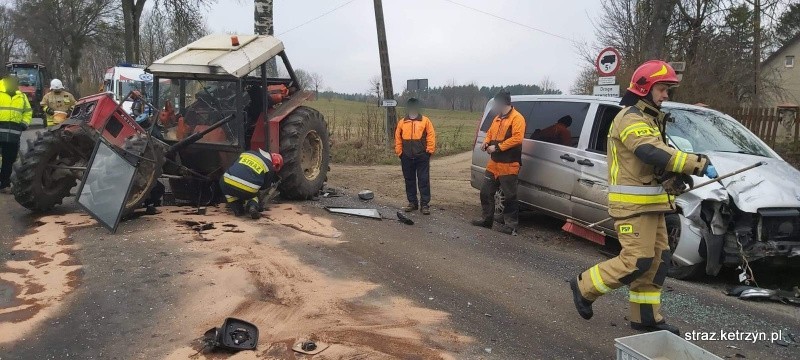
608 61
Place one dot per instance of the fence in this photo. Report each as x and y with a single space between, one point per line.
770 124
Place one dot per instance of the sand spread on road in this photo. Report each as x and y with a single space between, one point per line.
245 271
43 280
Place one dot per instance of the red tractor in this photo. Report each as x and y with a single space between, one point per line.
33 78
213 103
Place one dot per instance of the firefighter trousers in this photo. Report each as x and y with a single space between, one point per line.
642 265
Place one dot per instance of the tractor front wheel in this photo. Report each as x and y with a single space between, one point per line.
305 147
42 177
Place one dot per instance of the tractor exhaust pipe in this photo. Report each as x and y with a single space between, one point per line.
197 136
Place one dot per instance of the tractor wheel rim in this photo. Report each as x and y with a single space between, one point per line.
311 161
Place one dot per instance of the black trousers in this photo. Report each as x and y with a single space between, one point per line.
508 184
417 172
9 151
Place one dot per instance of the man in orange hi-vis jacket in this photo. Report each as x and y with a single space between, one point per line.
503 142
414 143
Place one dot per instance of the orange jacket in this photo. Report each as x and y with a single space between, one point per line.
414 137
506 133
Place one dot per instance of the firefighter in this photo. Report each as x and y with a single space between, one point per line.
414 143
15 116
57 100
641 167
252 172
504 144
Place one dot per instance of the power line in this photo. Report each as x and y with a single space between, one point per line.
513 21
318 17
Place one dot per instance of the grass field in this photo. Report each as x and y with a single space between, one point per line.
358 131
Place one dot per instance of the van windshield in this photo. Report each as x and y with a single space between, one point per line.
703 131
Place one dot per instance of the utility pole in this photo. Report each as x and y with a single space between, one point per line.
264 24
386 72
756 53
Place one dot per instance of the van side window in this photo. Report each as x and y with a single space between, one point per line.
602 122
524 108
557 122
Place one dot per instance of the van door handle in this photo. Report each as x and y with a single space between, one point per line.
585 162
568 158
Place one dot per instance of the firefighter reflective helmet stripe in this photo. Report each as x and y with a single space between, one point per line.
649 297
56 84
651 73
597 280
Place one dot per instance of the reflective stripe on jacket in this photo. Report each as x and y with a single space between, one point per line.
250 173
414 137
63 101
506 132
15 114
638 153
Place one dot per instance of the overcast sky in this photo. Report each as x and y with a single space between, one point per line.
434 39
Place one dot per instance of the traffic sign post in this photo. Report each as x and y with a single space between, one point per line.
608 62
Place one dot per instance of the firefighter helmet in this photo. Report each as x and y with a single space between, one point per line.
277 161
651 73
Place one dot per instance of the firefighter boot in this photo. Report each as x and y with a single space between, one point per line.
483 223
655 327
583 305
254 210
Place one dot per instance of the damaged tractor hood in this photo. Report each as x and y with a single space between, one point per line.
774 185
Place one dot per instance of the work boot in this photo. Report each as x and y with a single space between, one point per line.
254 211
583 306
150 210
5 190
411 207
482 223
657 327
426 210
508 230
237 208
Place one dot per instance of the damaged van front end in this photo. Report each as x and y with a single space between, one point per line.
754 216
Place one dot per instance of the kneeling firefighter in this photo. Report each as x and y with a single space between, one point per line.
644 175
252 172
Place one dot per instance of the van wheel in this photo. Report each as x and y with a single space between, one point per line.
676 271
499 197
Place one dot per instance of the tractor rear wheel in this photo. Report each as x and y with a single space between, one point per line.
305 147
40 181
148 171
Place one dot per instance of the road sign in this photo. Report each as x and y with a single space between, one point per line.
389 103
417 84
607 80
606 90
678 66
608 61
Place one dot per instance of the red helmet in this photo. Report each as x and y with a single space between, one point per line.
277 161
649 74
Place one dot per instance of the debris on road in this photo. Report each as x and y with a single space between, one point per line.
366 195
367 213
404 219
310 347
757 293
331 192
234 335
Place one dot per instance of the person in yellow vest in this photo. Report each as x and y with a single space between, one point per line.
503 142
15 116
642 172
415 143
57 103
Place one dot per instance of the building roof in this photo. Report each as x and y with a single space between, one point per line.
215 56
778 52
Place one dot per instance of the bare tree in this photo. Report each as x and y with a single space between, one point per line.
548 85
584 83
131 17
316 82
304 78
8 38
376 87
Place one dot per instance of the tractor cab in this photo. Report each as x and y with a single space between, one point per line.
33 78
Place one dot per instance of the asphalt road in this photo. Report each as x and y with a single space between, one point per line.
509 294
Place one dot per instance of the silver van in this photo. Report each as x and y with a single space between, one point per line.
754 215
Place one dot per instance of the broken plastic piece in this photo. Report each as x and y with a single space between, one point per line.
234 335
404 219
310 347
367 213
366 195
